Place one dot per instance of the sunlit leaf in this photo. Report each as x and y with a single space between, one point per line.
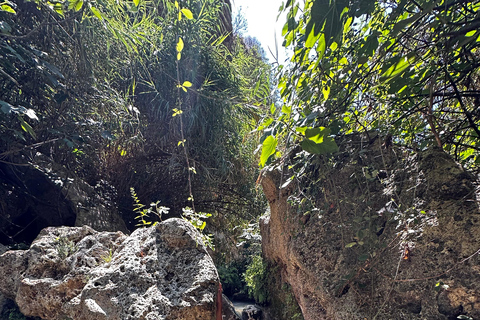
188 14
321 47
180 45
471 33
96 12
326 92
75 5
27 128
176 112
398 68
187 84
136 2
286 109
317 141
311 39
268 148
5 7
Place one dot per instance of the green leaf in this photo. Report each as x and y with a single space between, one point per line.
176 112
187 84
27 128
97 13
301 130
272 108
79 5
136 2
187 13
471 33
286 109
311 39
363 257
326 16
322 45
317 134
326 92
351 244
180 45
268 148
75 5
317 141
398 68
5 7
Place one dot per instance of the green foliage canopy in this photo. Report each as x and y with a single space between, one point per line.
96 86
407 69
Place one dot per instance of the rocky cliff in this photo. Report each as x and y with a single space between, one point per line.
390 234
161 272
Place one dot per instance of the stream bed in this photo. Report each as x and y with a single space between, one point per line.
239 305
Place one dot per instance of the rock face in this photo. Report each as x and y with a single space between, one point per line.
41 193
161 272
392 235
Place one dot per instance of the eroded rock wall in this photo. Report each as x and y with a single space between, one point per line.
161 272
392 235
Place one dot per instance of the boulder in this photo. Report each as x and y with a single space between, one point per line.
252 312
160 272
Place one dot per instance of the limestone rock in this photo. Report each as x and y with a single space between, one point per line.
93 206
401 246
252 313
161 272
41 193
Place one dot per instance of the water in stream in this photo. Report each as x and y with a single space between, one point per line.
239 306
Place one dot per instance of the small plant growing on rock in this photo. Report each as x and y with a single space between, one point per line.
65 247
108 257
197 219
143 211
